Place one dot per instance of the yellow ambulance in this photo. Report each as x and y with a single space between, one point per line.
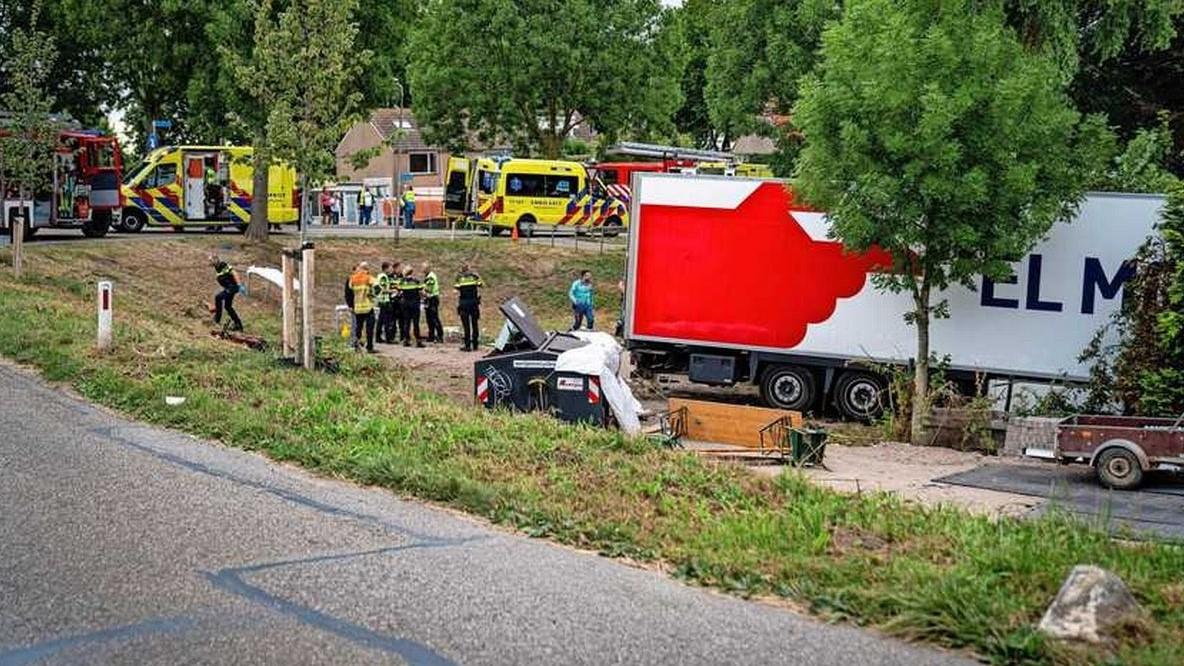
529 194
208 186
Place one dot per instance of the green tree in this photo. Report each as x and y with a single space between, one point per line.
694 20
759 51
932 133
544 67
304 74
1140 167
29 134
80 80
1137 362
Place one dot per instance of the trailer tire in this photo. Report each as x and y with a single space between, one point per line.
788 387
858 395
133 221
1119 468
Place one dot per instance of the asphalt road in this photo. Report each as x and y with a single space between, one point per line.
122 543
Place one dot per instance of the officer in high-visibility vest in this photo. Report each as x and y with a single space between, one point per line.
365 205
362 284
410 290
431 303
383 286
409 208
468 289
230 286
396 322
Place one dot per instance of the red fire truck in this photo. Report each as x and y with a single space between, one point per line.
83 190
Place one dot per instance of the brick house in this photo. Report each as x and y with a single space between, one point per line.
415 162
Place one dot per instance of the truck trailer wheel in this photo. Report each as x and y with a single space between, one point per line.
787 387
1119 469
859 396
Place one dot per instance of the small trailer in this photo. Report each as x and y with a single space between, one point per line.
1122 448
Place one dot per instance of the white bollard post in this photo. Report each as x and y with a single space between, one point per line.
105 304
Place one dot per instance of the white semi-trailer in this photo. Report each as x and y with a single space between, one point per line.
730 280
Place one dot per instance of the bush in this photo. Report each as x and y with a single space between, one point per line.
1142 370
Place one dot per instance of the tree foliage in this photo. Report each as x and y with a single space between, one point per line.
932 133
29 134
760 50
304 74
1142 370
541 68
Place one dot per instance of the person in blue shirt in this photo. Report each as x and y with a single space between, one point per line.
582 303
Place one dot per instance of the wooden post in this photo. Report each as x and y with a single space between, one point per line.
307 289
18 240
289 304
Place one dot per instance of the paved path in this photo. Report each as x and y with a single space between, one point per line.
121 543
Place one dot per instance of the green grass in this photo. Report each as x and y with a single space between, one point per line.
939 576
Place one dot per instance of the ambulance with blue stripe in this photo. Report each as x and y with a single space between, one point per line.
207 186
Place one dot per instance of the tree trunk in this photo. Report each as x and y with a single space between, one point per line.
921 372
552 146
257 229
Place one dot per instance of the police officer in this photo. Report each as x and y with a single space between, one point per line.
410 290
382 298
468 288
431 303
396 322
228 280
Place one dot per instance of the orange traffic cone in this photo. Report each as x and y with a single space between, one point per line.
514 233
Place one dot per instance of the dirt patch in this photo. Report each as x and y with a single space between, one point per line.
441 368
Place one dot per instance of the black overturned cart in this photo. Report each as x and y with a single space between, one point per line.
520 373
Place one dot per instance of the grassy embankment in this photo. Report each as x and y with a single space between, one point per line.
933 575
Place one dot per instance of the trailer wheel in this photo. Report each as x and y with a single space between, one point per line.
133 221
859 396
1119 468
787 387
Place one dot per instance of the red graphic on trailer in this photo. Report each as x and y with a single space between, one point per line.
746 276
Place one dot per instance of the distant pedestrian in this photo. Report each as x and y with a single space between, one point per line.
409 208
410 290
335 208
582 299
326 201
365 205
230 286
362 284
468 290
431 303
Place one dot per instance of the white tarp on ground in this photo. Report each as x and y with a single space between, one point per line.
601 357
272 275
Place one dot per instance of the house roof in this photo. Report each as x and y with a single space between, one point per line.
388 121
754 144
